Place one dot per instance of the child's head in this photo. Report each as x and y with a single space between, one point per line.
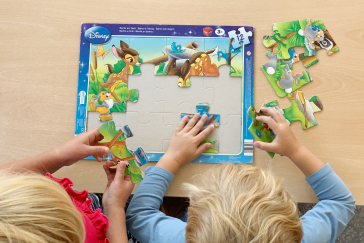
34 208
241 203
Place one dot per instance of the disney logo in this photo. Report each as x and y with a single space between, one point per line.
93 35
97 35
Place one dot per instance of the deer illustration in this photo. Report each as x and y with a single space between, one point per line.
130 57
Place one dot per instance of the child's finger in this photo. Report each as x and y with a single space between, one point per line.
203 147
196 129
97 150
114 159
109 176
269 121
277 116
92 134
192 122
127 178
270 147
120 171
182 124
202 135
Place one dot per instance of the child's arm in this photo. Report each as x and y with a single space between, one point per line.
68 153
336 206
116 194
143 218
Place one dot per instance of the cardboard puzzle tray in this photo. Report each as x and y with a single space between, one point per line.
145 76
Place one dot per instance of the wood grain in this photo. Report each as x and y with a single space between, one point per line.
39 69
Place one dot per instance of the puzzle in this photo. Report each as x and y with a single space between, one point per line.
301 109
243 36
281 74
203 109
115 140
147 75
260 130
313 35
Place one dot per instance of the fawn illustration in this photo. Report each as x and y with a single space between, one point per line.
130 57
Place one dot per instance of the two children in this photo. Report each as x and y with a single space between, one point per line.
230 203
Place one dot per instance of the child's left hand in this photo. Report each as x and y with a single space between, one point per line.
81 147
118 188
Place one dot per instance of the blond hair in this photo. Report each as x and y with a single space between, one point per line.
241 203
35 209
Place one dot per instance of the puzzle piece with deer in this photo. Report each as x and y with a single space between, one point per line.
115 140
147 75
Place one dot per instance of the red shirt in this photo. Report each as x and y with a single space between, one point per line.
96 224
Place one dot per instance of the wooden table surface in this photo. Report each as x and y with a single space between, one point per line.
39 57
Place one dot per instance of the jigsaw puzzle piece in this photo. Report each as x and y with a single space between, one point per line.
147 83
317 37
301 109
226 88
203 109
283 78
115 140
286 36
260 130
226 55
185 65
241 36
177 96
308 61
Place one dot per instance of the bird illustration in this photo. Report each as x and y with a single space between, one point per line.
176 49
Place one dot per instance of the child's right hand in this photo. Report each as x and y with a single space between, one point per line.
285 143
118 188
184 145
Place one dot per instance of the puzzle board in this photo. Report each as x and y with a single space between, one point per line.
153 96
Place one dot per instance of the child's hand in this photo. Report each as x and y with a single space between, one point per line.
285 143
118 188
184 145
81 147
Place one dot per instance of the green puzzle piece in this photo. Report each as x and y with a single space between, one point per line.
313 35
282 76
295 112
259 131
120 150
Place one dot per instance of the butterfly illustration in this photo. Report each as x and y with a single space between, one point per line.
100 51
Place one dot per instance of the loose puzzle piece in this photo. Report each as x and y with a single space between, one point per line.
202 109
260 130
110 92
242 36
318 37
308 61
115 140
311 35
281 74
300 110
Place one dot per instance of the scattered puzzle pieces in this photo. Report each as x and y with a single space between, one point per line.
242 36
281 74
115 140
313 35
202 109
